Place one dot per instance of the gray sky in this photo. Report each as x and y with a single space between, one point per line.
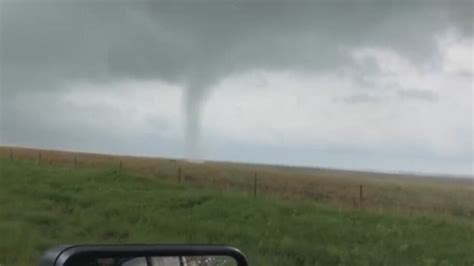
383 85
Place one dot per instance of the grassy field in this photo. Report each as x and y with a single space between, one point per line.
406 194
47 205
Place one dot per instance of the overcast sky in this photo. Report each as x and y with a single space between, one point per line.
379 85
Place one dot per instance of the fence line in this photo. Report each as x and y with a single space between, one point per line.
181 178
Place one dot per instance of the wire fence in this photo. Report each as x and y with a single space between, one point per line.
341 191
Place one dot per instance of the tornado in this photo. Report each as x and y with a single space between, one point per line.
192 127
193 101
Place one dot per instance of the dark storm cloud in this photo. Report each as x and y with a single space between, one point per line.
197 44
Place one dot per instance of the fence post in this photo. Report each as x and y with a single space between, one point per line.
179 175
120 165
39 157
11 154
361 197
75 161
255 186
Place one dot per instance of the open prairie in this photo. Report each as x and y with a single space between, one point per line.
408 194
42 206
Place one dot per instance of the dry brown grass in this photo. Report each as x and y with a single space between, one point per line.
448 196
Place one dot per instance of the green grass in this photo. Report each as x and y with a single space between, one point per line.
43 206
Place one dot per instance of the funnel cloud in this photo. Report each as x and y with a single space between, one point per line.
192 104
